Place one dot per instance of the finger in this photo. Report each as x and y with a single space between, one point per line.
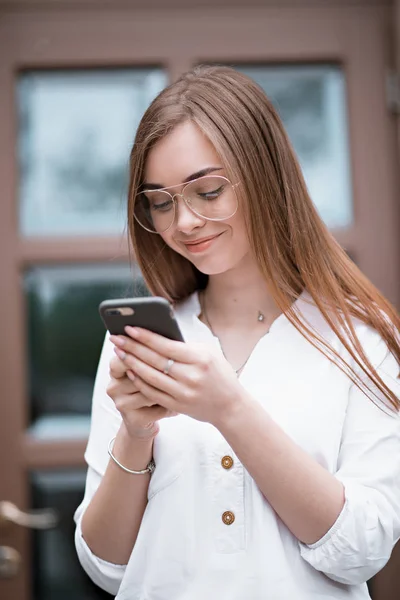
117 368
121 386
144 353
130 403
157 396
156 412
178 351
149 374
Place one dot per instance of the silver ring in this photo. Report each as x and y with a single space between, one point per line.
168 366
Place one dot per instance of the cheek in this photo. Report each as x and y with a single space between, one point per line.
240 243
169 240
239 234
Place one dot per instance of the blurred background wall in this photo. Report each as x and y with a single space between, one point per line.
75 78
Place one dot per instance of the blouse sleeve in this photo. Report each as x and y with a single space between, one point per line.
105 423
360 542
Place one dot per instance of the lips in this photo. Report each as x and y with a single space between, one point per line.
197 246
201 241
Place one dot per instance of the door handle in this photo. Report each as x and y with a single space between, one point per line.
10 562
37 519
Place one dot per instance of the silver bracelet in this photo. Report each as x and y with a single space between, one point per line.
149 469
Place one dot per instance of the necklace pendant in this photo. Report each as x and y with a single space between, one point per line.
260 316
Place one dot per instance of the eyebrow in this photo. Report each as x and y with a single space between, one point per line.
201 173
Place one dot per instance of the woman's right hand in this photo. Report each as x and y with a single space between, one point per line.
140 417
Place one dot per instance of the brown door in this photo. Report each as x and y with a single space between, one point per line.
387 582
73 83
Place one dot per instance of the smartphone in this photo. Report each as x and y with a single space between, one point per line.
153 313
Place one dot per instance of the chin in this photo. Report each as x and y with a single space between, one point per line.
213 267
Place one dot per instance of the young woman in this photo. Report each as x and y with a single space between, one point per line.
275 428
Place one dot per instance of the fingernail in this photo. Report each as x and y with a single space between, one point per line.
131 375
132 331
118 341
120 353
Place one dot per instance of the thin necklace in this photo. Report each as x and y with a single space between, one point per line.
260 318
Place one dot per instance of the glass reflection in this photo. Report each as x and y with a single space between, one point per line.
76 129
65 339
311 101
57 573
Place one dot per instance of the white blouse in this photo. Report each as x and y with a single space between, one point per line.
187 550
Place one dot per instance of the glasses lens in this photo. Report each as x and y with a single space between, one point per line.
211 197
154 210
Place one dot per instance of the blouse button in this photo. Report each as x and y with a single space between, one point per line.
228 517
227 462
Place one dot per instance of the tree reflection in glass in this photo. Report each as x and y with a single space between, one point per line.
76 130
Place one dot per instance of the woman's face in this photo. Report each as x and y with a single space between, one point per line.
181 154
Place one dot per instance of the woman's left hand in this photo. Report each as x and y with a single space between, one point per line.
200 383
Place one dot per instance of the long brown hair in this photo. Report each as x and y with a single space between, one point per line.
291 244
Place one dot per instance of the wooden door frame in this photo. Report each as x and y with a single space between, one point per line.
386 584
67 35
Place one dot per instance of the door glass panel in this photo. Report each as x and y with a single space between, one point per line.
65 335
76 130
57 573
311 101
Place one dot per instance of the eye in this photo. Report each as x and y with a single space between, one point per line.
157 200
161 206
213 194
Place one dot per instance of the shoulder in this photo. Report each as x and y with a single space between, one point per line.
371 341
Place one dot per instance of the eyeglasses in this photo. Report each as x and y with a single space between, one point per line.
211 197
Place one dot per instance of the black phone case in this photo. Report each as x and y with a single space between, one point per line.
153 313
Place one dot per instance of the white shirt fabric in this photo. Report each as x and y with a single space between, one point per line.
184 550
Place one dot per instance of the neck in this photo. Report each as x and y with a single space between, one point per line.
235 299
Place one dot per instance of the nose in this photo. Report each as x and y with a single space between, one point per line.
186 220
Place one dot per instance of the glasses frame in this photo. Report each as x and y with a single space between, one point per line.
187 203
